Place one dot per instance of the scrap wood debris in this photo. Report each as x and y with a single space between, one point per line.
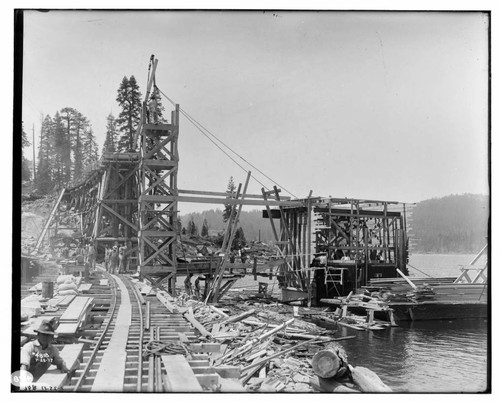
272 348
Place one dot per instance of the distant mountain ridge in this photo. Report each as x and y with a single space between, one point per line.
451 224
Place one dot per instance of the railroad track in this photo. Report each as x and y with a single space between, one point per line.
123 333
121 304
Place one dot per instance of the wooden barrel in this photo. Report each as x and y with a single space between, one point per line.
47 290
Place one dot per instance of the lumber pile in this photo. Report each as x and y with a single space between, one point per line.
263 348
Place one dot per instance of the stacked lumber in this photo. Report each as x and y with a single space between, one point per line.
75 315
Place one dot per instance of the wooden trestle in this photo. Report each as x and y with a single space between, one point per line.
132 200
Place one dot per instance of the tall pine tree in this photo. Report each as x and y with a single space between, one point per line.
62 153
129 99
231 187
204 228
43 182
110 141
90 150
26 172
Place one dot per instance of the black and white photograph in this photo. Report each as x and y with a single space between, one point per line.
279 201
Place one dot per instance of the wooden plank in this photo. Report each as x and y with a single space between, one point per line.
182 337
190 317
77 309
226 201
220 194
180 376
36 288
205 347
198 363
208 380
85 287
68 328
55 300
163 299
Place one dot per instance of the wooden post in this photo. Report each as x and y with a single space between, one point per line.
254 269
308 224
218 279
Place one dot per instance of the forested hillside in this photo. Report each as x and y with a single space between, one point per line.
251 222
452 224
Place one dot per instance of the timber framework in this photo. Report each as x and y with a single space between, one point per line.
327 246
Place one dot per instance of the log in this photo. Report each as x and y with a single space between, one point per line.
239 317
329 385
326 363
368 381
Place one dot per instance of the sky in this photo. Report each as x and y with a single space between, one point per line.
373 105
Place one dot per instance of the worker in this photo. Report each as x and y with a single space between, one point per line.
37 356
197 287
91 256
122 259
187 284
113 259
107 253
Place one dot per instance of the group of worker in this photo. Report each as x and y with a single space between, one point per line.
189 289
115 259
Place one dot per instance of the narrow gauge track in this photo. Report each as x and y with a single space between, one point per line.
105 339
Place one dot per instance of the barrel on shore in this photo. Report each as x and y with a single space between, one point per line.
47 290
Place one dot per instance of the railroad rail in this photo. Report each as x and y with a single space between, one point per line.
126 339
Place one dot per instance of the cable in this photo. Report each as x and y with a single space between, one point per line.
205 131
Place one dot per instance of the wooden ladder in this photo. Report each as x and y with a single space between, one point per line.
334 275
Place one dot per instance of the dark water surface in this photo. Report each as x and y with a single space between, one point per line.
431 356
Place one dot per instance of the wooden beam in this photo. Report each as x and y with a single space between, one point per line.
221 194
190 317
223 201
180 376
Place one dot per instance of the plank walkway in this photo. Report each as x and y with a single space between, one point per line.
110 376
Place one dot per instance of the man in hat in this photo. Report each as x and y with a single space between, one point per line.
37 356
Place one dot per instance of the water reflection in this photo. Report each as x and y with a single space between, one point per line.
439 356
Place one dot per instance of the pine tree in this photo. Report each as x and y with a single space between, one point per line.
111 133
129 99
26 172
231 187
192 229
204 228
74 126
44 183
62 153
90 150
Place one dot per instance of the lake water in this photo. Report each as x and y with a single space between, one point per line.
439 356
434 356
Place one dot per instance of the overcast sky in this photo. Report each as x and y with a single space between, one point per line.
376 105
